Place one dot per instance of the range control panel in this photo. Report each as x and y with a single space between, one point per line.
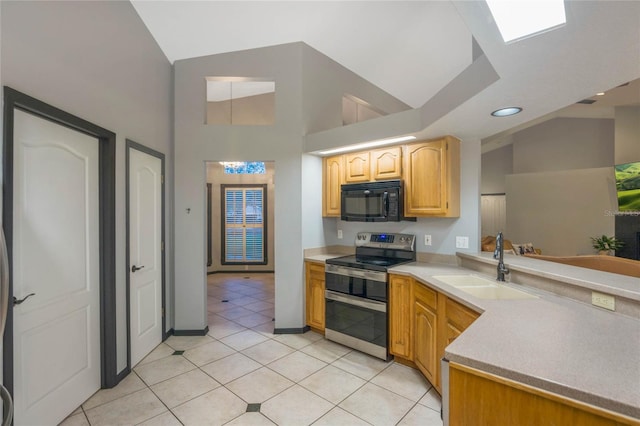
386 240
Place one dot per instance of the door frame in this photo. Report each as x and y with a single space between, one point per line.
13 100
149 151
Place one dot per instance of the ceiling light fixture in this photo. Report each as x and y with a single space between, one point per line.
600 94
505 112
365 145
523 18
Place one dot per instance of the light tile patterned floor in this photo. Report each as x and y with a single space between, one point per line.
299 379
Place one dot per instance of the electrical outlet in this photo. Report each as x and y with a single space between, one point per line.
339 234
603 300
462 242
427 240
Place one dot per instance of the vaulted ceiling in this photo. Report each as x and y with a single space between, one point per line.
413 49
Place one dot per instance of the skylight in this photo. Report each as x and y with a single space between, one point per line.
517 19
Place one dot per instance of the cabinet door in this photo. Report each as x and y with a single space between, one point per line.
315 295
459 317
357 167
401 316
425 178
386 163
432 178
333 178
426 350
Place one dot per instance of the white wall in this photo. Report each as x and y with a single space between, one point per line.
196 143
561 186
558 212
563 144
496 165
96 60
627 134
303 77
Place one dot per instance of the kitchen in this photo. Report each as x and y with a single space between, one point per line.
140 107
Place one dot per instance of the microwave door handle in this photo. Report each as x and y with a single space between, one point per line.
385 202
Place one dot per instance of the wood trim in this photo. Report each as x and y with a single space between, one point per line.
519 397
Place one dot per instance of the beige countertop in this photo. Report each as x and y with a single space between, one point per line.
551 342
615 284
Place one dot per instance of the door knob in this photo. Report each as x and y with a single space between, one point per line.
136 268
19 301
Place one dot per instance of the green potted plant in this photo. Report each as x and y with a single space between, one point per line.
606 245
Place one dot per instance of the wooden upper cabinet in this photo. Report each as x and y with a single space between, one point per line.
332 179
386 163
357 167
432 178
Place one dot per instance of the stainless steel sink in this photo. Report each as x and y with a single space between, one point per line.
483 288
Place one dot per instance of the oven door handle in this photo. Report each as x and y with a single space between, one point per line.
356 273
356 301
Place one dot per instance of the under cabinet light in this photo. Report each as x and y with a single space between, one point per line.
517 19
365 145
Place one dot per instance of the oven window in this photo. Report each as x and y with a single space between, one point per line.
355 321
376 290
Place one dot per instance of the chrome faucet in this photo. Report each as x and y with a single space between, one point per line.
499 254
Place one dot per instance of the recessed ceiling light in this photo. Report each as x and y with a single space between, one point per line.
519 19
600 94
505 112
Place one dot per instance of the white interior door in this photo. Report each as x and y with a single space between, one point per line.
55 256
145 255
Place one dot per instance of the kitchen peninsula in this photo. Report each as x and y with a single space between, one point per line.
550 353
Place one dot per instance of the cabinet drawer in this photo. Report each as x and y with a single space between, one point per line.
460 315
426 295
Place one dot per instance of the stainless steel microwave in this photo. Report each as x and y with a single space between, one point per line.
373 202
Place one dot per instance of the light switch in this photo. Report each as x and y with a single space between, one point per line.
339 234
462 242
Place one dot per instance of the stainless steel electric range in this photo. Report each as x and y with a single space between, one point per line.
356 296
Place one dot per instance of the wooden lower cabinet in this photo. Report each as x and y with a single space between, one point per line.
401 316
480 398
458 318
315 286
426 333
422 323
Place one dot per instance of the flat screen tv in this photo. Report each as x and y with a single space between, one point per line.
628 186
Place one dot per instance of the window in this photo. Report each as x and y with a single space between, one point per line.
240 101
244 167
244 224
355 110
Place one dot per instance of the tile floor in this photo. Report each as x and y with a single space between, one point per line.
243 374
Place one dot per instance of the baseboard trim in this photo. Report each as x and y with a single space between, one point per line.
299 330
190 332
